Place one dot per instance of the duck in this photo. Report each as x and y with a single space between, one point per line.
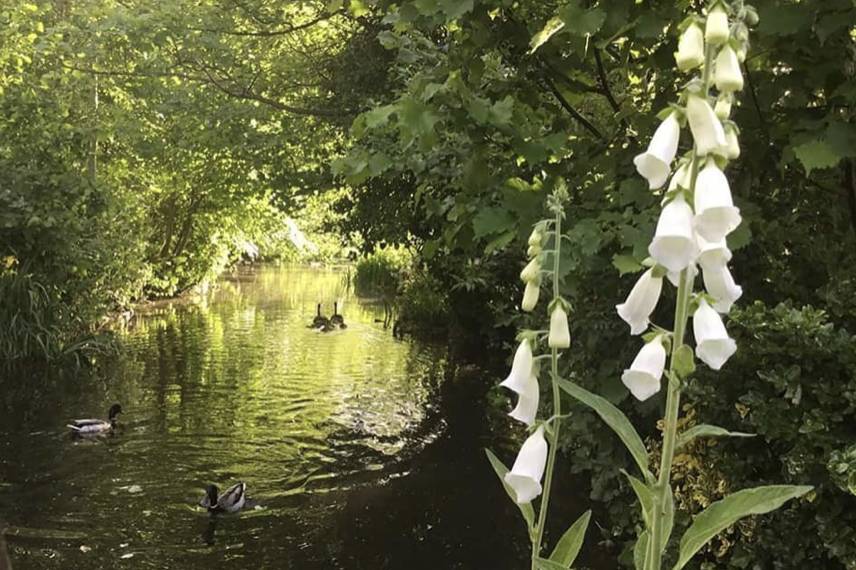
232 501
320 321
336 319
96 426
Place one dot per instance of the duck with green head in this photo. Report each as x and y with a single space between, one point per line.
231 501
93 426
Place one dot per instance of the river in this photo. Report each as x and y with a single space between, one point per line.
362 451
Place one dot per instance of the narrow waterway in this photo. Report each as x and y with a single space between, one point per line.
362 451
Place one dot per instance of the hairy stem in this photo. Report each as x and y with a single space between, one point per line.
557 407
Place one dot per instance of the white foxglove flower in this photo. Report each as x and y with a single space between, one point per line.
722 109
528 469
713 345
535 238
641 302
727 75
643 376
716 27
732 144
560 336
674 246
712 254
533 250
719 282
655 163
705 126
690 52
521 368
715 213
681 177
528 393
530 295
532 271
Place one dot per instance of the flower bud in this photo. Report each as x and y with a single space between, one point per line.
533 250
531 272
643 376
707 130
716 27
723 106
715 213
690 52
530 295
641 302
656 162
674 246
521 368
713 345
732 144
535 238
528 469
560 335
741 53
727 75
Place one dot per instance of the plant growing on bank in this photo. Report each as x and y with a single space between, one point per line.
697 215
537 457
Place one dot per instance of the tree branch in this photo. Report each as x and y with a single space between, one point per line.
573 112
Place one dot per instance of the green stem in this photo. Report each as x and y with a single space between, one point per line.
673 396
557 409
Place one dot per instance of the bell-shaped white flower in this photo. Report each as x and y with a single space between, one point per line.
674 277
533 250
690 52
722 109
643 376
727 75
715 213
641 302
713 345
655 163
674 246
705 126
536 237
712 254
528 393
732 143
530 295
719 282
716 27
532 271
521 368
560 335
528 469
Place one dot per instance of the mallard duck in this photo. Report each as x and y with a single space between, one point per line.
320 320
231 501
96 426
336 319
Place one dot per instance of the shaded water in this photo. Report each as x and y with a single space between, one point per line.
359 450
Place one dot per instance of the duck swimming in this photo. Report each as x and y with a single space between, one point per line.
231 501
320 321
96 426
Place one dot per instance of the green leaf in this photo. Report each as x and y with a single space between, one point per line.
816 154
668 519
569 545
552 27
378 116
640 551
500 242
492 220
684 361
616 420
706 430
544 564
454 9
722 514
626 264
644 494
526 508
579 21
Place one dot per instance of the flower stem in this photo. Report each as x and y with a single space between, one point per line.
673 396
557 407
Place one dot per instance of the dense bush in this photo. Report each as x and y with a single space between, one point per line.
383 272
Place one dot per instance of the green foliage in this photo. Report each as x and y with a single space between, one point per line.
568 547
382 273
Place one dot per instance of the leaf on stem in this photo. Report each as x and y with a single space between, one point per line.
722 514
640 551
707 430
525 508
616 420
569 545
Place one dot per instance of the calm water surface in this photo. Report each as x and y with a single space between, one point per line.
362 451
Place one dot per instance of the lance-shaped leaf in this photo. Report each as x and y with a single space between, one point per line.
544 564
616 420
569 545
647 500
640 551
707 430
722 514
525 508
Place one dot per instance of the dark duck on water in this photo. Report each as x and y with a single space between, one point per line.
96 426
231 501
320 322
337 320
